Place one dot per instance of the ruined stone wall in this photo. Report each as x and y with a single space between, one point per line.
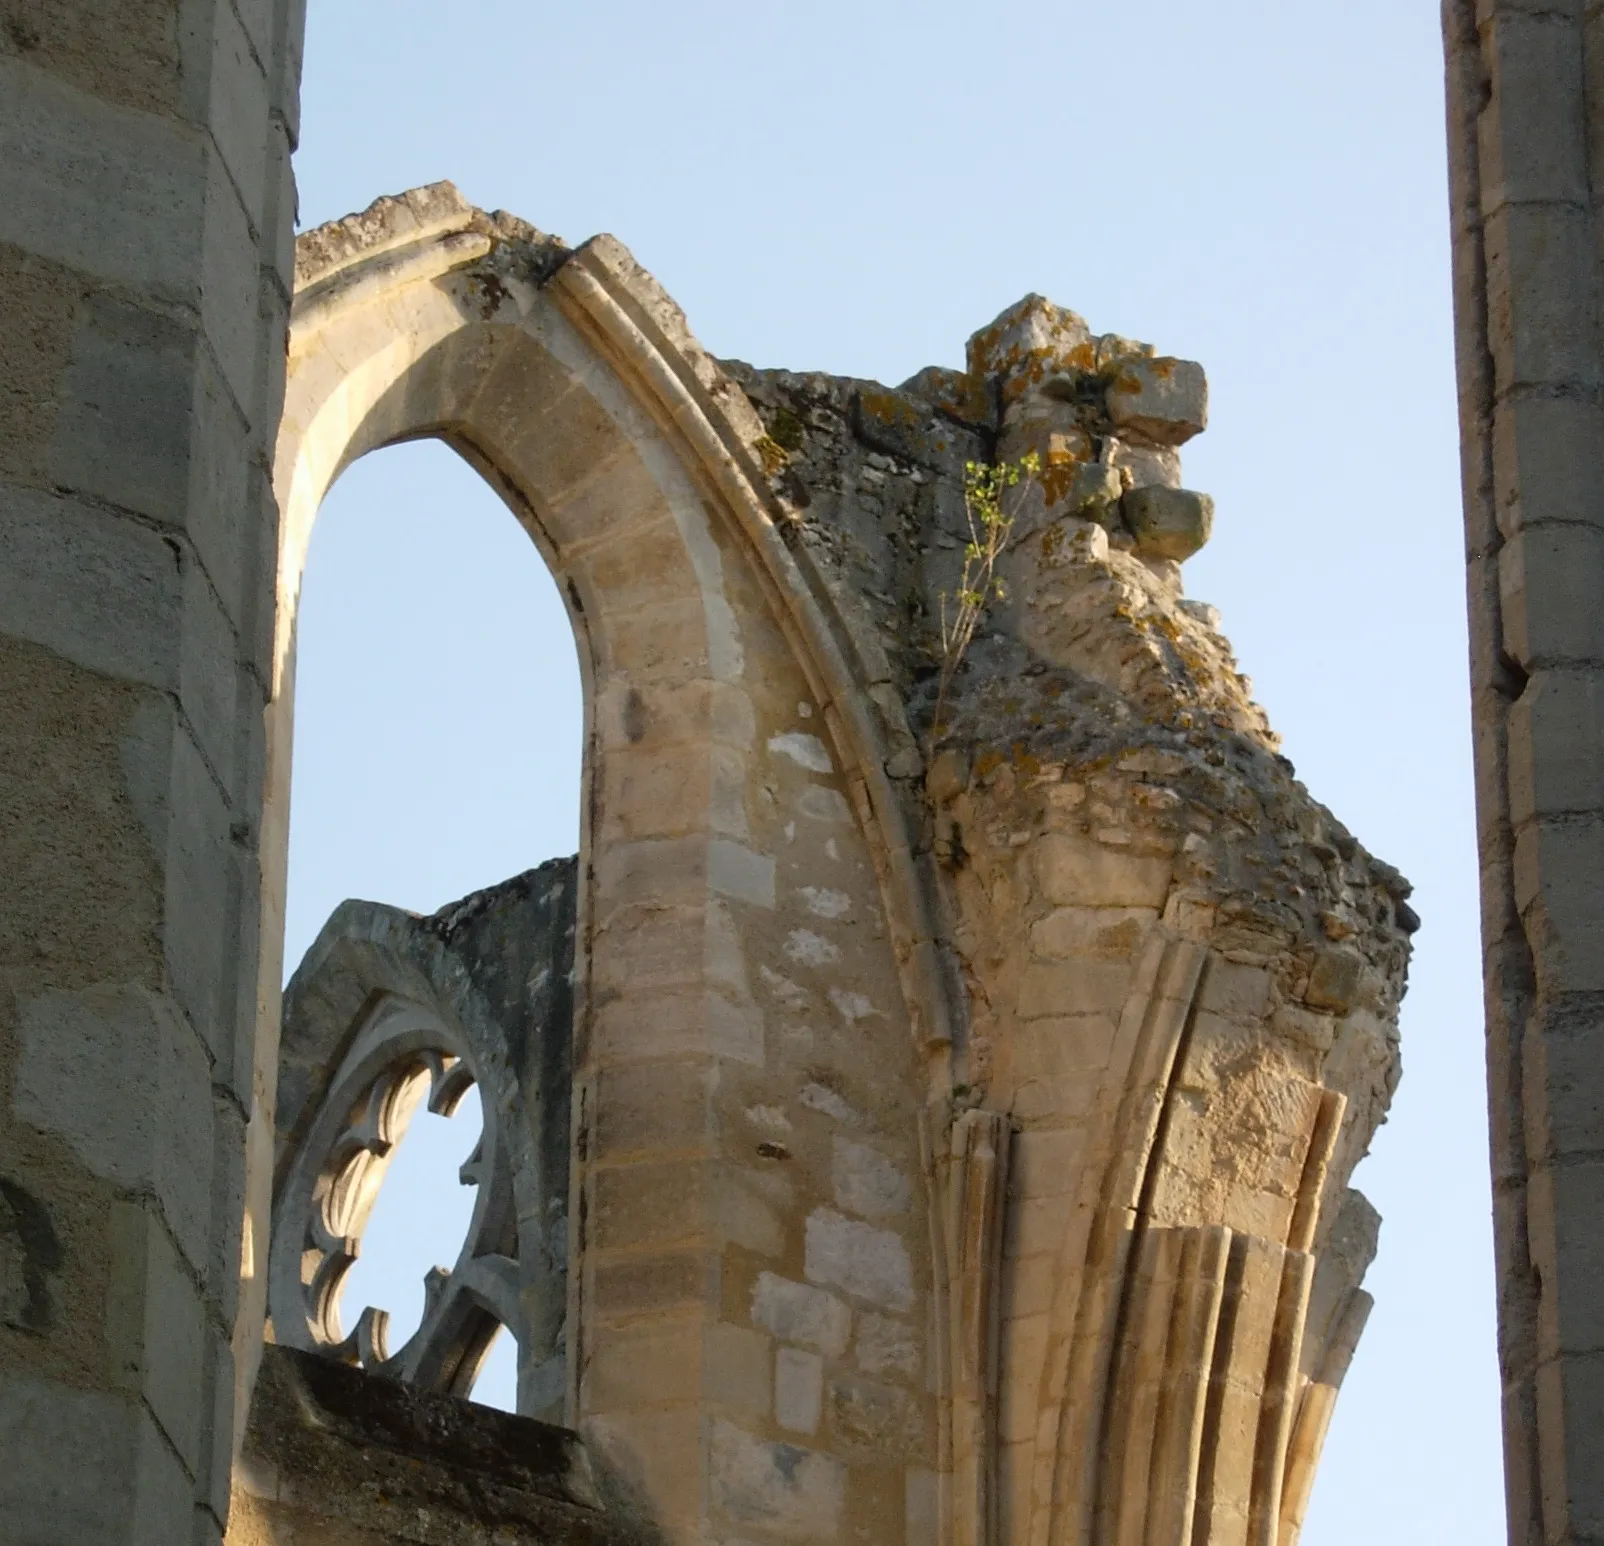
962 1111
146 229
1525 119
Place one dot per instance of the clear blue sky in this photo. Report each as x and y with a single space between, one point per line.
855 188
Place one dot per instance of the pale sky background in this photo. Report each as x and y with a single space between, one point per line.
856 188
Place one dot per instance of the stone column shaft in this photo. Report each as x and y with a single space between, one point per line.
146 229
1525 118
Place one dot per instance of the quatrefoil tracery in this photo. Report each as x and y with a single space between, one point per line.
402 1056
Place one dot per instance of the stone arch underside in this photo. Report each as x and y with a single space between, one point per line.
855 1251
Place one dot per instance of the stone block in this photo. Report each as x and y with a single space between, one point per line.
1064 988
1170 523
670 871
735 1369
654 795
126 424
866 1183
748 1208
1081 1043
219 697
1556 746
650 1364
1556 869
641 566
658 1283
646 948
1074 870
202 934
798 1390
560 446
921 1505
1532 149
1570 1414
650 1205
1547 579
1235 991
278 214
119 1074
1563 1074
676 1026
136 1490
117 195
793 1493
1113 933
1539 258
156 1328
622 494
1030 338
887 1345
237 109
1045 1162
1145 466
216 1473
868 1263
231 286
647 1106
221 1284
1161 400
866 1414
733 870
1548 461
800 1313
104 592
1093 493
660 1456
1569 1253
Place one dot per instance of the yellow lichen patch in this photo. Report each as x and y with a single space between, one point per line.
772 454
889 409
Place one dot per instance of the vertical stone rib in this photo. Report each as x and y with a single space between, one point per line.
1279 1403
1311 1188
976 1186
1314 1416
1151 1033
1178 1424
1135 1396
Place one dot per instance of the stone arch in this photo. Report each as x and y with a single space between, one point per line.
571 383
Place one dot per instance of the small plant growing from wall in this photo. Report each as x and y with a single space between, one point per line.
993 493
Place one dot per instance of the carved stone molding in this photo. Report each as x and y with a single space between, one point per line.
390 1011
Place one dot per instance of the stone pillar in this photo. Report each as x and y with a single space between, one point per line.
146 228
1525 125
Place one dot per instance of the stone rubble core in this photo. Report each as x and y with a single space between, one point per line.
962 1117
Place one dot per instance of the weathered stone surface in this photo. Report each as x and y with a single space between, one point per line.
798 1494
798 1390
798 1312
860 1260
334 1451
1169 522
1162 400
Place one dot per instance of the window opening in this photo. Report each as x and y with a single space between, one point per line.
438 736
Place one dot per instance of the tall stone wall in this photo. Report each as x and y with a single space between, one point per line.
968 1064
146 210
1526 137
